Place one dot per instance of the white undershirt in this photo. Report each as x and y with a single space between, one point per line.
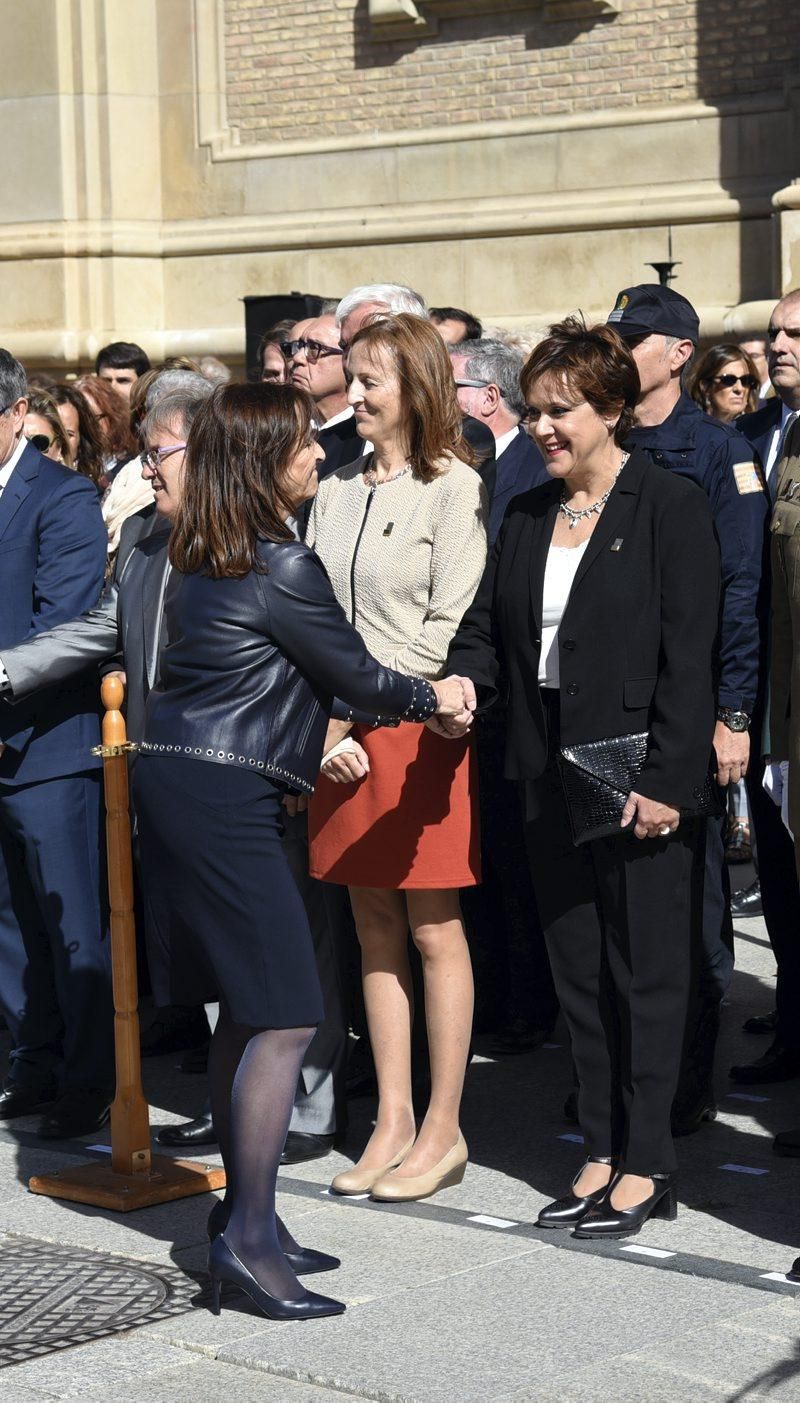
559 574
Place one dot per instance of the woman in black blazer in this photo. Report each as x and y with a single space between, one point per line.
259 648
599 611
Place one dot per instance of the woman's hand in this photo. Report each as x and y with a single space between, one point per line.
653 820
455 696
337 730
348 766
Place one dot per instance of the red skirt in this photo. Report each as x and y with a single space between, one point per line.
411 822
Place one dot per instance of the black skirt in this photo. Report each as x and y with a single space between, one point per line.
224 917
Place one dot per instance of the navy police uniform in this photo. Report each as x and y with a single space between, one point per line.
721 461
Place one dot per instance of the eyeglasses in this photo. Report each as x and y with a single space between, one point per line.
314 350
153 457
40 441
727 382
473 384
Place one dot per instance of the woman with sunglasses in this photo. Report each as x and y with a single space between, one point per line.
725 383
44 429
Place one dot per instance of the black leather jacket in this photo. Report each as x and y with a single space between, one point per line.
252 667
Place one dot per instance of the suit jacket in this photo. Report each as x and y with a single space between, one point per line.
123 626
480 438
53 548
519 467
636 641
342 444
759 427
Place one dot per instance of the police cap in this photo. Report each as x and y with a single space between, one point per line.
639 311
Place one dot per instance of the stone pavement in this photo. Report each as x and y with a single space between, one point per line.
457 1300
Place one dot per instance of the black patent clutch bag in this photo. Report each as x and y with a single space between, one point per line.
599 775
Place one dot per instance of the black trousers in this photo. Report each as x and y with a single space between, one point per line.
780 898
618 917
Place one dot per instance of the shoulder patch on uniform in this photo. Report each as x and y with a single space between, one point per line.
748 478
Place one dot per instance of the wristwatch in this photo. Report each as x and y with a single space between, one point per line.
734 720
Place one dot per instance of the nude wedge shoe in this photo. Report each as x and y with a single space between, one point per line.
360 1181
393 1188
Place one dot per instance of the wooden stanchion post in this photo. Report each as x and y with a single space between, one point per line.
135 1178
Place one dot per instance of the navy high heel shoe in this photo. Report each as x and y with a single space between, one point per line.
606 1221
568 1211
224 1265
304 1262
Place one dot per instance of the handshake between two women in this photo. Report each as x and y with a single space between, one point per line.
345 761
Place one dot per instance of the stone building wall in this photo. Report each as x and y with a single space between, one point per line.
305 70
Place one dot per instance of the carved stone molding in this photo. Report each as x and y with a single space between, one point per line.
404 19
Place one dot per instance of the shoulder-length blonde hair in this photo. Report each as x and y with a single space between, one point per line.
431 412
238 451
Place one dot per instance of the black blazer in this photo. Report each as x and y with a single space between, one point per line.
636 641
252 665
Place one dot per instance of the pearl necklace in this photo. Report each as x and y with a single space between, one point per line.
573 516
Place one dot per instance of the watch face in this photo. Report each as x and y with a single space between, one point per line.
736 723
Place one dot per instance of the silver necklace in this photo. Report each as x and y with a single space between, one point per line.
371 479
573 516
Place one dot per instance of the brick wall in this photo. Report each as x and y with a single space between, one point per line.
309 68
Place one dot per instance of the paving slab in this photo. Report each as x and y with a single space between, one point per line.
493 1328
754 1355
108 1364
204 1382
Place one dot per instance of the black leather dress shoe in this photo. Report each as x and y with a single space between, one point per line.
777 1064
604 1220
299 1147
748 901
19 1100
794 1271
193 1132
761 1023
76 1112
787 1144
568 1211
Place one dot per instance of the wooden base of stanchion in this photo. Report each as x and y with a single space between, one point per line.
98 1184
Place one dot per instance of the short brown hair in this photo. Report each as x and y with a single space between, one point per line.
238 451
427 389
594 362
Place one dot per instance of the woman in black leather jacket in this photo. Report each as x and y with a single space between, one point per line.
259 649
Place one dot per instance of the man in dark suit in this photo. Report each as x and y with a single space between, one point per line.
128 623
316 364
767 431
507 938
55 990
487 382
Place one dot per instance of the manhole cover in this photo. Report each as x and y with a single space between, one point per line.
52 1297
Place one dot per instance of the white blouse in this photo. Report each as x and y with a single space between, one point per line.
559 574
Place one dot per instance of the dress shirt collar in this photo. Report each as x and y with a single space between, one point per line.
338 418
505 441
8 468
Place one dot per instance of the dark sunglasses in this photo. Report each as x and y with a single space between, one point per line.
727 382
40 441
314 350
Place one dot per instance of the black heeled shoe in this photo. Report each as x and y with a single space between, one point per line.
304 1262
224 1265
571 1209
607 1221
